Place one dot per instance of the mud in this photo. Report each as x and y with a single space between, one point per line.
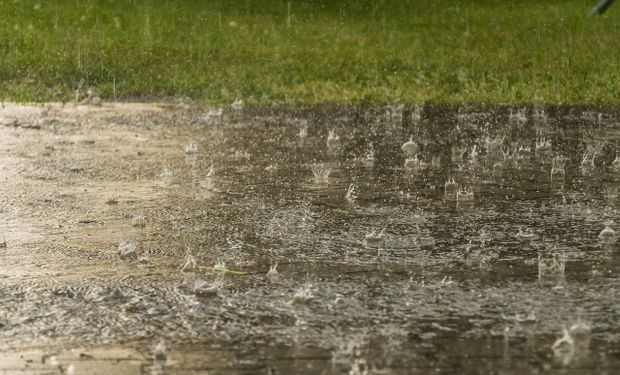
382 267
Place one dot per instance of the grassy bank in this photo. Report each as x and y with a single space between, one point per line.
349 51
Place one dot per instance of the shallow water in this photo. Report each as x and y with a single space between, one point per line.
405 278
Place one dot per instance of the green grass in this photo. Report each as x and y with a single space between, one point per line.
347 51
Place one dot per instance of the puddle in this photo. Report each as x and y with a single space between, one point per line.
404 240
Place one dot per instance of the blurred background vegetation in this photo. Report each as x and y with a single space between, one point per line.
268 51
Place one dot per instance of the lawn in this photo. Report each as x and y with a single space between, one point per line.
311 51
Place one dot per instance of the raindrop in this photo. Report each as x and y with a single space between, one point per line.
369 160
303 132
211 172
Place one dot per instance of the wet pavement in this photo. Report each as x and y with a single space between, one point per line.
178 239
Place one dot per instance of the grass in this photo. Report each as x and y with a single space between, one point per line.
495 51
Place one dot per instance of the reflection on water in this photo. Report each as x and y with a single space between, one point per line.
312 240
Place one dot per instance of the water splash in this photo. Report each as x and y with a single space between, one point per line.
214 115
321 172
410 148
414 163
333 141
557 166
127 249
519 116
303 295
189 262
465 195
493 146
543 144
351 194
138 221
303 132
166 176
273 274
607 234
238 105
191 148
551 266
450 187
374 237
111 200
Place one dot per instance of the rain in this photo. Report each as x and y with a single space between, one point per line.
309 188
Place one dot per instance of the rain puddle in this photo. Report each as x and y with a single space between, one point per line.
167 239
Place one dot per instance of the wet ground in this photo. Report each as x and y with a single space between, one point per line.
171 239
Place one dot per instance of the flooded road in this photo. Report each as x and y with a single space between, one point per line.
170 239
